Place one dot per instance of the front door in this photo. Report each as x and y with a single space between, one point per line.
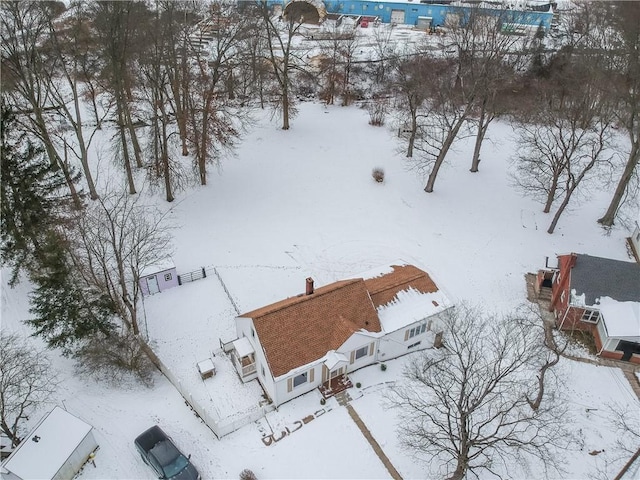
152 285
337 372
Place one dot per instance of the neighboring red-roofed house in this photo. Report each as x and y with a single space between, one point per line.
600 296
314 339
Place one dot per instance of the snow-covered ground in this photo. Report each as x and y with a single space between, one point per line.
302 203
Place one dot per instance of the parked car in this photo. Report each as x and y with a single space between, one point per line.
159 451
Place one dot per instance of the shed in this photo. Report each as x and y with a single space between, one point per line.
55 450
158 277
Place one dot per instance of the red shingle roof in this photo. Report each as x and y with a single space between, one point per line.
384 288
299 330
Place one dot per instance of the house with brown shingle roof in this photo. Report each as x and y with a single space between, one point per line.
315 339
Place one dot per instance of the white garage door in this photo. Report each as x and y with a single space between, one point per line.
397 16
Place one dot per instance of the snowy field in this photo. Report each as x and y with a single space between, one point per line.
302 203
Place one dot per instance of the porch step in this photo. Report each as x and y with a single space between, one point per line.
343 398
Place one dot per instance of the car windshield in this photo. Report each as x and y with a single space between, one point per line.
176 466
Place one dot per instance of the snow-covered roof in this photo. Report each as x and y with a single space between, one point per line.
622 319
46 449
333 359
243 347
411 306
160 266
403 294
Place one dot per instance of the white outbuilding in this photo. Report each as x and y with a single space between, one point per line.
55 450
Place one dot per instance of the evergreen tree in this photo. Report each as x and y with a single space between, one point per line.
29 195
65 310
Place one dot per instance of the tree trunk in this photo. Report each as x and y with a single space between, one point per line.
137 151
15 440
285 105
446 145
54 158
125 149
414 131
165 154
84 160
563 205
482 130
632 162
461 468
551 196
535 404
67 176
202 146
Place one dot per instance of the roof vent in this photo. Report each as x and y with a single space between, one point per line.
309 289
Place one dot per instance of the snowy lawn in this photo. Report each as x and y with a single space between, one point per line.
303 203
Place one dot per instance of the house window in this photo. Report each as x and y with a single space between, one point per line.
362 352
167 277
300 379
590 316
417 330
413 345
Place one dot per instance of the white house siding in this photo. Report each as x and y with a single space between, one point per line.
314 379
245 328
395 344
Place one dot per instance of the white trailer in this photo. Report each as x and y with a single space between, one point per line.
55 450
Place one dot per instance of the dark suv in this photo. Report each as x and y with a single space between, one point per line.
158 451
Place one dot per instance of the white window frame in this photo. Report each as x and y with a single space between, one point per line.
304 376
590 315
167 277
362 352
417 330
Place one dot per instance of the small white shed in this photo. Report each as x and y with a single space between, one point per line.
55 450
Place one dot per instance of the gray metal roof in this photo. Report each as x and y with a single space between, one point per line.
602 277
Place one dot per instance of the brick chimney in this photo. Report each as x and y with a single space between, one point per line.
309 289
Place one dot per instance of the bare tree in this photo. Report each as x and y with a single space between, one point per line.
411 79
280 33
569 134
24 28
446 114
213 123
384 49
68 46
27 380
115 239
116 25
465 406
337 50
624 17
487 62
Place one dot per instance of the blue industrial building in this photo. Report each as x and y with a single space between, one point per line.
428 14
